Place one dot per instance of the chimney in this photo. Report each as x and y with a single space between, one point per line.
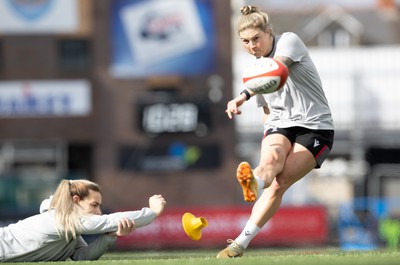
388 9
386 4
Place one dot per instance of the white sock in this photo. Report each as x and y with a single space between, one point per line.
260 185
248 233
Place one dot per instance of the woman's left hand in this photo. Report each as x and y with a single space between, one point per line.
125 227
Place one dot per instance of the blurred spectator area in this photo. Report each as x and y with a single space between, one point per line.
30 171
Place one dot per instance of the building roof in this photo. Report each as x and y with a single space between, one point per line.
332 14
374 26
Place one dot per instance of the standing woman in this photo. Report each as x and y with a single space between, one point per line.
298 125
74 210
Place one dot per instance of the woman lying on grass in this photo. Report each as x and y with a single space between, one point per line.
74 210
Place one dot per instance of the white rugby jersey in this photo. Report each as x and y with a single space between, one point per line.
301 101
36 238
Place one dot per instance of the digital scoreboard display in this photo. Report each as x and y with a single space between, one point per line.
169 116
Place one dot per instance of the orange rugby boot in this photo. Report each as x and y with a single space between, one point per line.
247 181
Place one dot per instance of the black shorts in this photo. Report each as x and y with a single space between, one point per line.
318 142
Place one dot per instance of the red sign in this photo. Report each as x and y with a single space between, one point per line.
289 226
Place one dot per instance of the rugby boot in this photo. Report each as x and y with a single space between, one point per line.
247 181
233 250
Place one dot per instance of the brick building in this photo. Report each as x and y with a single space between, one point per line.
66 112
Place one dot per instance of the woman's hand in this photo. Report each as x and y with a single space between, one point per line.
125 227
233 106
157 204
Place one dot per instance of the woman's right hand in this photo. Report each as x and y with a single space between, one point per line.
125 227
157 204
233 106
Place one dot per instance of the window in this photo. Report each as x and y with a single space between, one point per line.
334 38
342 38
74 54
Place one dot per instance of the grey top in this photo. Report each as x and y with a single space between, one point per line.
36 238
301 101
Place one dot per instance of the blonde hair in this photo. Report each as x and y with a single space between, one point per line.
252 17
67 213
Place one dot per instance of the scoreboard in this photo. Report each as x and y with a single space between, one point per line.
168 115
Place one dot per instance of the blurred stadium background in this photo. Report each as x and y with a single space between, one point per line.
131 94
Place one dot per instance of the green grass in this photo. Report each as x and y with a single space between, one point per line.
251 257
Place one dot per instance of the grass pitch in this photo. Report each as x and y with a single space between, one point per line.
255 257
251 257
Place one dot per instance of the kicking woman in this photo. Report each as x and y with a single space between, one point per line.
298 125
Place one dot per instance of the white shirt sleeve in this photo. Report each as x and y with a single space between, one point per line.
45 205
261 101
291 46
99 224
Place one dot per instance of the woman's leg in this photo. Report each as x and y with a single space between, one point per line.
274 150
298 163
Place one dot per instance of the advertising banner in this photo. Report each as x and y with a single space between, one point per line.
170 157
47 98
38 16
297 226
156 37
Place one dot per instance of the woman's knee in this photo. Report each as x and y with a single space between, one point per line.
274 154
271 163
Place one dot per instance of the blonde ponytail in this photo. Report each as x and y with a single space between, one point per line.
67 213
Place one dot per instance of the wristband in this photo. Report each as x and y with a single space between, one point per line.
247 94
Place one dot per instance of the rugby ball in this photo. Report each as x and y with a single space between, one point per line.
265 76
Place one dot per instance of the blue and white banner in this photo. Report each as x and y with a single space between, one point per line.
38 16
158 37
47 98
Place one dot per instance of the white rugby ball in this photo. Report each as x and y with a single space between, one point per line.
266 75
